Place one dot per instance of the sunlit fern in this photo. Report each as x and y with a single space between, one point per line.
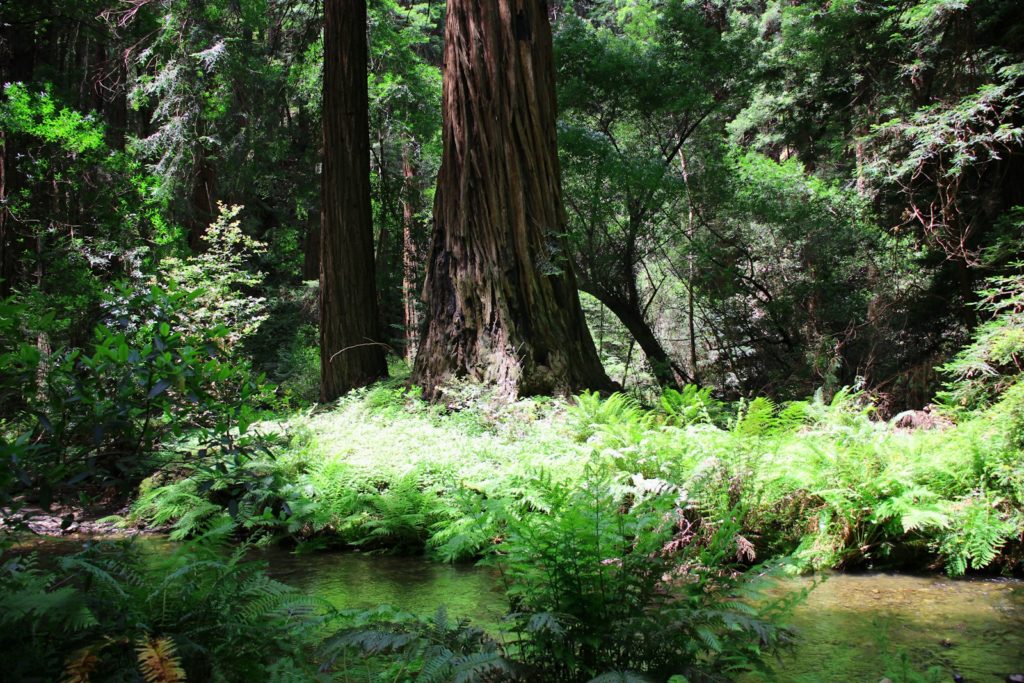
159 661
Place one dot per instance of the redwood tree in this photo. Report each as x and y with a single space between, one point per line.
350 351
501 299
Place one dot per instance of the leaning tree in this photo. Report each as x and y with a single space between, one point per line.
501 300
351 354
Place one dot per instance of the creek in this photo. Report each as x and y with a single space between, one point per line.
846 628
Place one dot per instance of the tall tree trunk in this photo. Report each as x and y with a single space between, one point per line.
410 256
18 52
501 300
350 351
203 210
311 251
6 225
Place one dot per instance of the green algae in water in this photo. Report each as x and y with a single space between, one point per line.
410 584
851 625
847 627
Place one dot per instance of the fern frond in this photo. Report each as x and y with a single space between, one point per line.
81 664
159 661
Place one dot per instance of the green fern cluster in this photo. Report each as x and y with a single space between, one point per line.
383 644
86 617
824 480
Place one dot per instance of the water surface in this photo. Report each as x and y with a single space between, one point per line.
848 626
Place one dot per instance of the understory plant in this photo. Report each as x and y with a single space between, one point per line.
115 611
617 577
145 393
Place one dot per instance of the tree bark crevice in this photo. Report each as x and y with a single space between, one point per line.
351 352
502 306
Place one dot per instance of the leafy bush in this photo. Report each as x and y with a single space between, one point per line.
218 281
114 612
615 578
145 389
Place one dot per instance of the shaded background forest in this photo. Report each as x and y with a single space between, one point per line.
763 197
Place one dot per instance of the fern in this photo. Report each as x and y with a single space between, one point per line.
917 509
691 405
757 419
159 661
81 664
978 532
591 412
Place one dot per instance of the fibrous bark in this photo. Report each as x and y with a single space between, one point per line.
501 300
351 354
410 257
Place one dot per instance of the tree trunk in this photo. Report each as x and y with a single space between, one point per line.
501 300
203 209
351 354
311 252
410 256
667 372
6 225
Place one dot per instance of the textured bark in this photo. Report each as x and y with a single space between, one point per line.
410 257
351 354
501 300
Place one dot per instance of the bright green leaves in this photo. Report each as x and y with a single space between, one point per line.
40 115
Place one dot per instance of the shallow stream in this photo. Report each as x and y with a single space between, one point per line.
847 627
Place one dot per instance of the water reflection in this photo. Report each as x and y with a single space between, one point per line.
849 621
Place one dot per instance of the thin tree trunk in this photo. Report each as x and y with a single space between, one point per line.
501 301
203 211
311 252
351 353
6 225
666 371
690 270
410 256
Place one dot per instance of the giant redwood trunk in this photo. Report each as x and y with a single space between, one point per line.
501 300
351 354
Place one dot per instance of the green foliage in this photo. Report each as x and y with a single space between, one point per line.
146 387
218 282
617 578
991 363
691 405
395 645
823 480
592 412
981 528
40 116
197 607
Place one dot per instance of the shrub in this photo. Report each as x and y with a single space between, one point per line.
114 612
617 578
145 390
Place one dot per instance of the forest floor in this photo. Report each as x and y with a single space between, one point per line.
821 482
